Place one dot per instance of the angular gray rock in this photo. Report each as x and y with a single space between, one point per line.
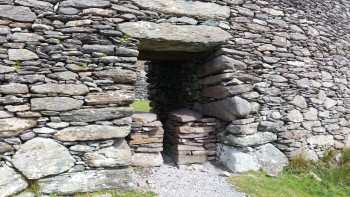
55 104
66 89
92 132
26 37
248 140
168 37
186 8
11 182
96 114
6 69
65 76
144 118
243 129
10 127
105 49
235 159
185 115
17 13
83 4
14 88
41 157
228 109
117 75
6 114
222 92
88 181
299 101
117 155
270 158
110 50
218 64
321 140
21 54
110 97
147 159
36 4
295 116
4 147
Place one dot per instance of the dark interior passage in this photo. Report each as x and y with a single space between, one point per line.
173 90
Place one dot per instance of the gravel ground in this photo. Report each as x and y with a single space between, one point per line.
190 181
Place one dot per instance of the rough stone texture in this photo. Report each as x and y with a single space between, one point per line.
117 75
41 157
65 89
26 37
236 160
287 61
186 8
10 127
17 13
117 155
219 64
228 109
270 159
92 132
86 4
88 181
321 140
4 147
168 37
249 140
55 104
185 115
14 88
147 159
243 129
36 4
96 114
111 97
21 54
267 158
144 117
221 92
11 182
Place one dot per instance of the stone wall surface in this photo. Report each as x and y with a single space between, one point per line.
274 71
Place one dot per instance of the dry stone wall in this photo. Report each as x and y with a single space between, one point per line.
276 75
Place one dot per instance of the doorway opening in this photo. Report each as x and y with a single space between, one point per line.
174 127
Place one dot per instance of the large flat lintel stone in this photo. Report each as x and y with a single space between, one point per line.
169 37
186 8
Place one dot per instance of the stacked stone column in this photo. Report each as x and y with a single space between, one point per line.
146 140
190 137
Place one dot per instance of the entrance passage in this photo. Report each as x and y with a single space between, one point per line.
173 127
174 54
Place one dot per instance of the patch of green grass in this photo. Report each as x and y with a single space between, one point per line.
345 156
84 65
114 193
324 178
126 37
33 187
141 106
17 66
